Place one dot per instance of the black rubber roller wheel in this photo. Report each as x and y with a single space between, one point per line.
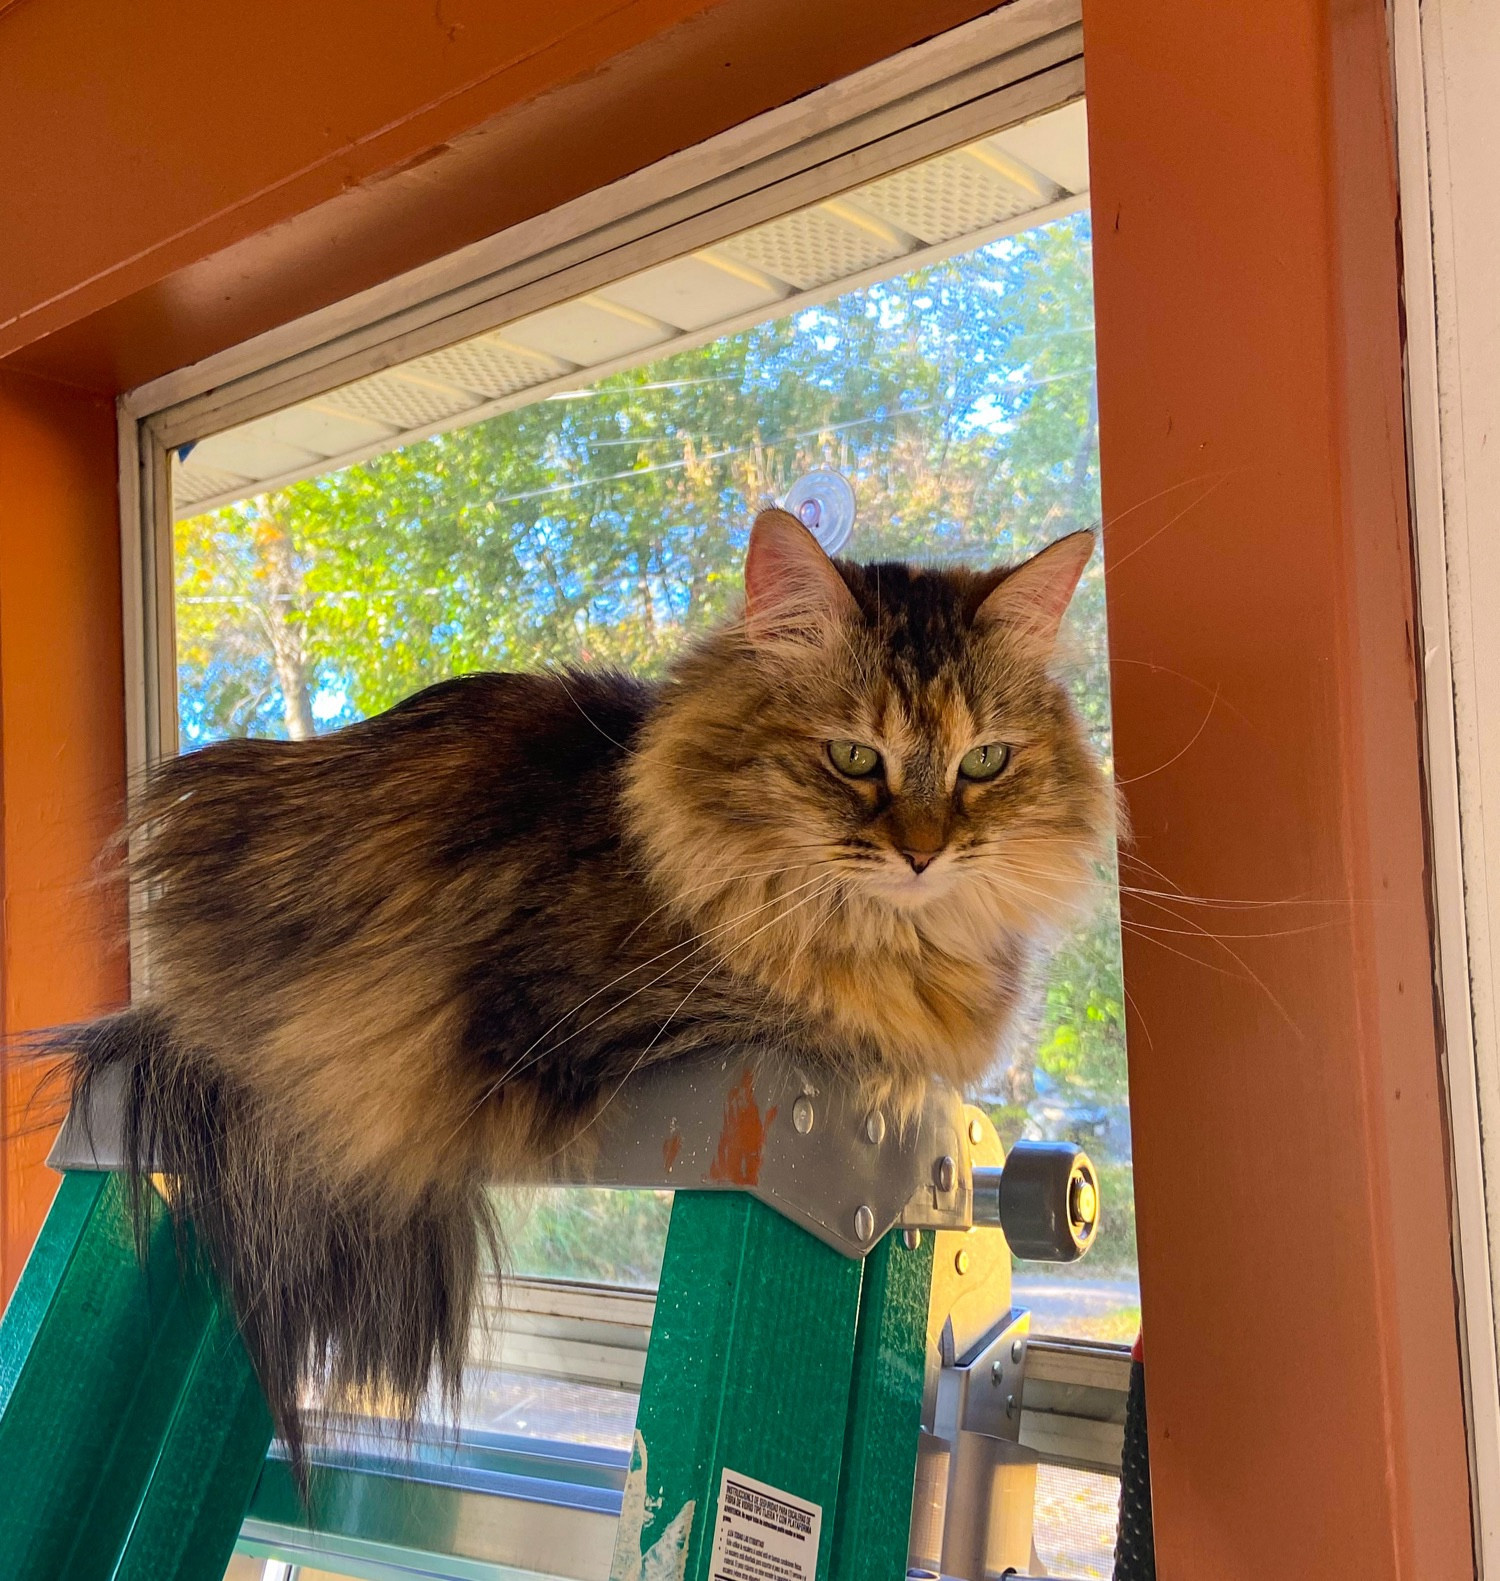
1049 1201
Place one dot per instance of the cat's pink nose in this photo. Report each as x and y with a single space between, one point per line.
920 861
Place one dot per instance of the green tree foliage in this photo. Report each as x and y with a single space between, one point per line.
605 524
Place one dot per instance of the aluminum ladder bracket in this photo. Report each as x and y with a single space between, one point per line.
731 1121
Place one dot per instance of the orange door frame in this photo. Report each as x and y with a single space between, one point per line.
1297 1271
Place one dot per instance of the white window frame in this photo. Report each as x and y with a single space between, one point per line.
1447 56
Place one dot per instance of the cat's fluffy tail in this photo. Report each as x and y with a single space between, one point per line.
344 1299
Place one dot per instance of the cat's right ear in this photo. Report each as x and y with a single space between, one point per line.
793 591
1033 598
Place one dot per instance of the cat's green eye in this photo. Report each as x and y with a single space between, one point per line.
984 763
853 759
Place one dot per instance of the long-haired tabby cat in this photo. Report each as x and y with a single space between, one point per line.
396 962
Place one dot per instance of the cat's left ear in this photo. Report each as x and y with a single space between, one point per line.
1032 600
793 591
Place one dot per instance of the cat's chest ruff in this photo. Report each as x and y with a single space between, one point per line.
920 1008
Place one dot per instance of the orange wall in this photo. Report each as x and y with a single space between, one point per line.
1297 1281
62 752
174 179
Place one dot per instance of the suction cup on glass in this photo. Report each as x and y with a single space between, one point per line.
823 501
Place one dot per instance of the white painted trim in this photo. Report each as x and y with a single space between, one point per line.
1445 105
133 591
1050 73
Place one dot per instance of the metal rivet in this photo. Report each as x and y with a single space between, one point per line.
961 1261
997 1373
1010 1405
911 1239
802 1115
875 1128
976 1132
1017 1349
946 1172
864 1223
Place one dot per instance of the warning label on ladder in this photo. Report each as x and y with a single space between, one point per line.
763 1534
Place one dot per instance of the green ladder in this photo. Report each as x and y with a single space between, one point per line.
782 1402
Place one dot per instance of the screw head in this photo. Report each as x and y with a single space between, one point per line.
802 1114
911 1239
1017 1349
961 1260
1010 1405
864 1223
875 1128
976 1132
946 1173
1084 1201
997 1373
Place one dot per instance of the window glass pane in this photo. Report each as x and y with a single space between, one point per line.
605 1237
562 1410
606 522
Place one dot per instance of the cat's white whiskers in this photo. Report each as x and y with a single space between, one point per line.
1233 954
1126 854
640 1058
1218 938
1130 1000
1150 932
560 677
1182 752
1213 488
522 1062
723 881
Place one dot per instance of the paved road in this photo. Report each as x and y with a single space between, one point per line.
1057 1300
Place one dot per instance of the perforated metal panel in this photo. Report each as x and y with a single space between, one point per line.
938 203
1055 144
200 482
486 367
389 398
945 197
1075 1522
587 331
249 451
810 248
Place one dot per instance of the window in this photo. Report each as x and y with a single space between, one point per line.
605 522
561 462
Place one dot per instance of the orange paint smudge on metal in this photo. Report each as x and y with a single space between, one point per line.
670 1149
742 1140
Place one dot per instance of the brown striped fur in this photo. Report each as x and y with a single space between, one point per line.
397 961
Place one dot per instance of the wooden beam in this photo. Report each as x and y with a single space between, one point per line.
1306 1410
169 189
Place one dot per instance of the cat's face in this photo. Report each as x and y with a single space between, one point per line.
897 731
914 730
